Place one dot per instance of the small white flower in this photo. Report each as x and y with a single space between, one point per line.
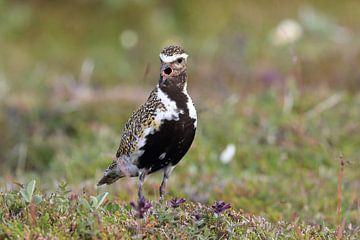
288 31
229 152
129 39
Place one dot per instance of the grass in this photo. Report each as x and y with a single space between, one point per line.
290 111
65 214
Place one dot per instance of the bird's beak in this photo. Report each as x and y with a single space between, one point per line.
166 70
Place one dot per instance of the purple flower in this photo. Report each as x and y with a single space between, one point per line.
142 207
175 202
220 206
197 216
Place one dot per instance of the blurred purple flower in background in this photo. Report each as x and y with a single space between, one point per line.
269 76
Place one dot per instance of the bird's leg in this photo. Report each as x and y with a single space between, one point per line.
141 182
167 172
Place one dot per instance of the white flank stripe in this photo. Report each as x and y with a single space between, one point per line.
171 112
169 59
190 106
142 139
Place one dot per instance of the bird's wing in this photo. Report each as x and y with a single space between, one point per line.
143 121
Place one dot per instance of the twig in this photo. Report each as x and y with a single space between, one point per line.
328 103
339 188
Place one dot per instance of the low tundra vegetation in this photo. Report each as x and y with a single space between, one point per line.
27 213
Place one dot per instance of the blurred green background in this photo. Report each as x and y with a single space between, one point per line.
276 85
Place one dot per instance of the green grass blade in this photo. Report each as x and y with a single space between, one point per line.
100 199
30 188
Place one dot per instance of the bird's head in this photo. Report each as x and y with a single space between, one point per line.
173 65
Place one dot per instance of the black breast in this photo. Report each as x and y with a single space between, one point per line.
169 144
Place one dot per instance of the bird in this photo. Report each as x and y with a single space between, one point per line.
160 132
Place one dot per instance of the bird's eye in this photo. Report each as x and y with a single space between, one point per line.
179 60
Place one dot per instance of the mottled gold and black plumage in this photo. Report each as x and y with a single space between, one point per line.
160 132
172 51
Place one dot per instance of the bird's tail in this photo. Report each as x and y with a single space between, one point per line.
108 179
111 174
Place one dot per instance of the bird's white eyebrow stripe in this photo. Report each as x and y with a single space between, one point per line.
169 59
